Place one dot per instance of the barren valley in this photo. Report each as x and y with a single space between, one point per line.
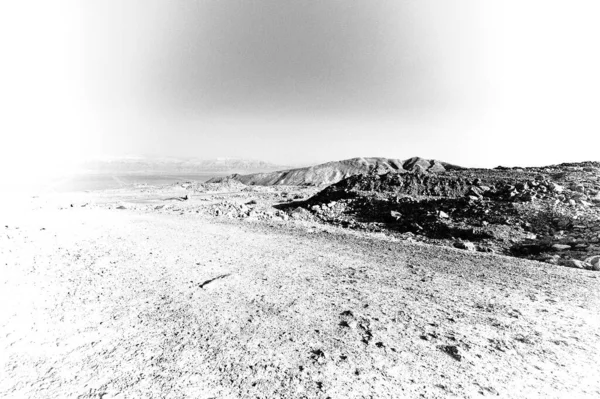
228 290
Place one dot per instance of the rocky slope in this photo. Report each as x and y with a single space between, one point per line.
332 172
550 214
146 303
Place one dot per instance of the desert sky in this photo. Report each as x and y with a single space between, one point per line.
473 82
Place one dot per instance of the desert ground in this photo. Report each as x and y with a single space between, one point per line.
143 293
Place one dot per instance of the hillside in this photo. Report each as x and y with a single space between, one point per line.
550 214
333 172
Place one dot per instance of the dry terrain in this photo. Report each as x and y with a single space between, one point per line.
332 172
144 293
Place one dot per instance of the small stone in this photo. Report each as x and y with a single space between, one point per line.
560 247
443 215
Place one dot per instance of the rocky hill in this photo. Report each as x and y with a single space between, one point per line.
550 214
333 172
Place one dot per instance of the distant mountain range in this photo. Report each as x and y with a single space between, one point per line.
175 165
332 172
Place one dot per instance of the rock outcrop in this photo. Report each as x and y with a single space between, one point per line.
549 214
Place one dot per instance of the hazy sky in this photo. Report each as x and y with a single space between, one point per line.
474 82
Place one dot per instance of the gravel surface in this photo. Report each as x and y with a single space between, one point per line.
119 303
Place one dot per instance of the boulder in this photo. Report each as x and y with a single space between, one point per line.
300 214
396 215
553 259
561 247
594 261
476 191
574 263
580 188
466 245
